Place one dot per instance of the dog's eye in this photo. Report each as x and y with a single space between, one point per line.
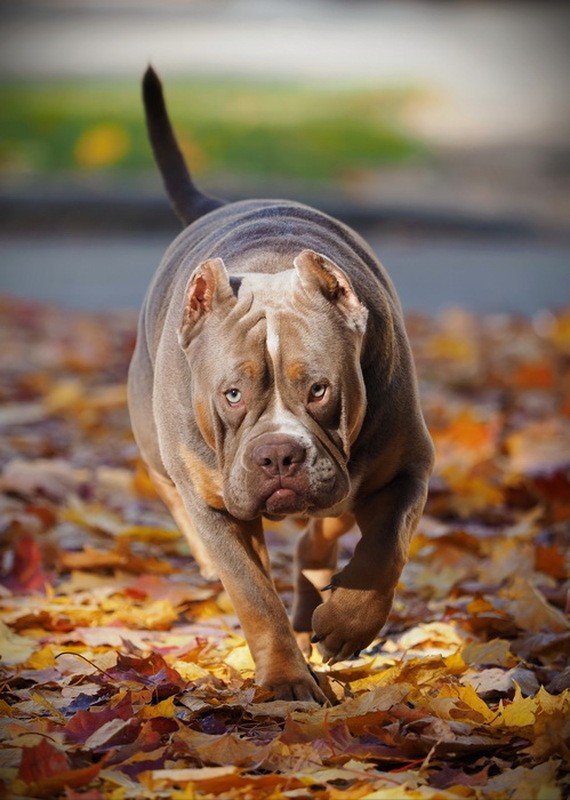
233 396
318 391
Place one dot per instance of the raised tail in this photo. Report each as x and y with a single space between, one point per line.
186 199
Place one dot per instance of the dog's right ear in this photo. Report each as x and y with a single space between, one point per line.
208 289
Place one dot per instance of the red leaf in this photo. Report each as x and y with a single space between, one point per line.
41 761
152 670
91 794
27 572
53 785
84 723
548 558
154 731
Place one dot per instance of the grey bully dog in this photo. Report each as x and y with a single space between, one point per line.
272 376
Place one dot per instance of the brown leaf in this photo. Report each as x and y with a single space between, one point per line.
138 658
531 611
119 557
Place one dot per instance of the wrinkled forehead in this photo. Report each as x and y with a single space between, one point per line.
271 327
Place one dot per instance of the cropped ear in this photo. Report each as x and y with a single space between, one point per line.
207 290
317 273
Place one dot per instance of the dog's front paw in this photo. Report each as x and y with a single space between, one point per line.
348 621
304 688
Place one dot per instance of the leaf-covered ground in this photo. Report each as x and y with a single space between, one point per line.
125 675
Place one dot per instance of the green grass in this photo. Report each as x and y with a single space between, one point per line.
243 128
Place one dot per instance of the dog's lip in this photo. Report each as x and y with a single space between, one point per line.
284 501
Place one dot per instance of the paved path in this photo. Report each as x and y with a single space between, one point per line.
488 276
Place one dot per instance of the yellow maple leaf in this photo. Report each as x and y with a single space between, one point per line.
157 615
240 659
159 779
42 658
190 671
458 703
40 700
552 703
380 699
560 332
520 713
163 709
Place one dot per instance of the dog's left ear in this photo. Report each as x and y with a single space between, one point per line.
207 290
317 273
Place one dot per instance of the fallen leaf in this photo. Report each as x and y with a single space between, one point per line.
531 611
14 649
27 573
133 669
52 478
499 681
526 783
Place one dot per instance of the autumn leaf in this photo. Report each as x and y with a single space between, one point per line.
15 649
45 771
27 573
125 675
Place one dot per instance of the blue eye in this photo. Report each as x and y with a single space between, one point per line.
318 391
233 396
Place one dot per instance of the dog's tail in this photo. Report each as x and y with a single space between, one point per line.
186 199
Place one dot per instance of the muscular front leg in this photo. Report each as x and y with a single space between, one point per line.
363 591
238 550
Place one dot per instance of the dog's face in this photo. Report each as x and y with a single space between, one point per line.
278 390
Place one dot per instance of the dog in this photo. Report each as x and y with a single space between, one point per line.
272 376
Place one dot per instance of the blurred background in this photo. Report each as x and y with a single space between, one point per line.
439 130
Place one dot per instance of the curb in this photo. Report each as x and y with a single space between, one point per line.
80 210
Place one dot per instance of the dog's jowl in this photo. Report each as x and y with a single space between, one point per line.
272 376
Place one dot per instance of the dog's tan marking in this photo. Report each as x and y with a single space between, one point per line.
206 481
295 371
204 425
250 369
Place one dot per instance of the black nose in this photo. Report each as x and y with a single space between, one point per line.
278 455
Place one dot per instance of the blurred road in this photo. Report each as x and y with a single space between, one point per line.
493 80
487 276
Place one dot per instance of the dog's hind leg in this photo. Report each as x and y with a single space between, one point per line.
169 495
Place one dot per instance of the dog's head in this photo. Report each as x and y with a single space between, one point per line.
278 390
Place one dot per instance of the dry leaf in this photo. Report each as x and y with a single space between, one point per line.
125 675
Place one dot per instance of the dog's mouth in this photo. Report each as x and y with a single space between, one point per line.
285 501
311 489
296 496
